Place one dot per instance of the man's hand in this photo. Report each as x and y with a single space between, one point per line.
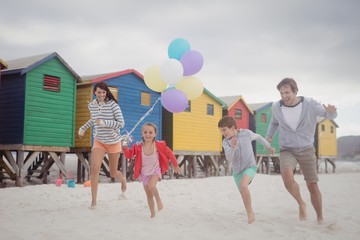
330 108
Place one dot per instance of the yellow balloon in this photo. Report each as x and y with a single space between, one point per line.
191 86
153 80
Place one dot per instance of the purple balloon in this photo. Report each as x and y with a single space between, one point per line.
174 100
192 62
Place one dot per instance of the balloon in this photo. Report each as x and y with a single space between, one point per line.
192 62
153 80
174 100
171 71
177 48
191 86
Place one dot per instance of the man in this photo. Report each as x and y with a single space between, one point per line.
295 117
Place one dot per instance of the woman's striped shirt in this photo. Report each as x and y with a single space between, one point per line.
108 130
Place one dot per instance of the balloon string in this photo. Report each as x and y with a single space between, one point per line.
128 134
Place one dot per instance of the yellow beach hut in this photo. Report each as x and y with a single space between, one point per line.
193 134
325 142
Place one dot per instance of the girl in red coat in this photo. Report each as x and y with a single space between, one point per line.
151 162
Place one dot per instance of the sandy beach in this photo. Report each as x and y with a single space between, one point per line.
204 208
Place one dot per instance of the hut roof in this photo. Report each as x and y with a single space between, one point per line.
321 119
223 104
232 100
259 106
3 64
24 65
105 76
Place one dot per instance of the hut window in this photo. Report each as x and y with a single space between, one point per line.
263 117
322 127
51 83
332 129
188 108
145 99
238 114
210 109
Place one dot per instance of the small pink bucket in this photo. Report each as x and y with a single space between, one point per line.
58 182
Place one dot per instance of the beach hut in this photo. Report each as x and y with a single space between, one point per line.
37 114
238 109
193 135
325 142
135 100
259 123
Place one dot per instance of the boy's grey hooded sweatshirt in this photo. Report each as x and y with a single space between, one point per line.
303 136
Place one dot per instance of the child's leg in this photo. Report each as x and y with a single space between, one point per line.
152 187
113 165
150 200
245 194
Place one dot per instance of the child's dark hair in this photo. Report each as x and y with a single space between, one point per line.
227 121
104 86
151 125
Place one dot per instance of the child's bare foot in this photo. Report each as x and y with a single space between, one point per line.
160 206
320 221
123 184
302 212
152 214
251 218
93 205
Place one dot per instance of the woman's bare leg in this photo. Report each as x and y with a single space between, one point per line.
97 155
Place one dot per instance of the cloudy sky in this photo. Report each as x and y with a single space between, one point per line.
247 46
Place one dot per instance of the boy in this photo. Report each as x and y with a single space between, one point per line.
239 151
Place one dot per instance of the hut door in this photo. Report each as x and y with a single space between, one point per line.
115 92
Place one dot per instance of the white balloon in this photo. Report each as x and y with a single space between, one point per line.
171 71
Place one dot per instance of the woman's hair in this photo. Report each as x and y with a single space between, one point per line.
104 86
151 125
288 82
227 121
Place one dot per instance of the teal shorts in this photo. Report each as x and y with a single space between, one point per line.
251 171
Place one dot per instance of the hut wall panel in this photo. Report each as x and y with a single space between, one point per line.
327 145
244 121
261 128
52 111
197 131
167 127
12 102
83 97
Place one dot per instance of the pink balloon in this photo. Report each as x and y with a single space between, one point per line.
174 100
192 62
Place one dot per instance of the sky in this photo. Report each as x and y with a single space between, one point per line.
248 47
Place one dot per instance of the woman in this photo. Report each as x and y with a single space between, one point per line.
107 119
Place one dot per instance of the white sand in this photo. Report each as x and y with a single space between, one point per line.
207 208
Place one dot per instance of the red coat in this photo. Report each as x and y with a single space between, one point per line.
165 154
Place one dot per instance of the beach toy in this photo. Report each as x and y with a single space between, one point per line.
71 183
58 182
87 184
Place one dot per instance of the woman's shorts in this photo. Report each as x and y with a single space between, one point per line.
108 148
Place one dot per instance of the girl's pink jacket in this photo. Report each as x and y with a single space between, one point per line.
163 150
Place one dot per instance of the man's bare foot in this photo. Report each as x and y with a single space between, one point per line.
320 221
152 214
93 205
302 212
251 218
123 184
